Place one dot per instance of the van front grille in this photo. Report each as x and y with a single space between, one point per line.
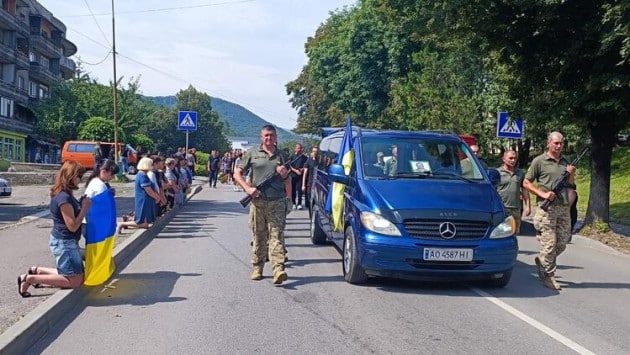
430 229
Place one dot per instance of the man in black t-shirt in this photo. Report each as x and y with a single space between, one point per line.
298 158
309 175
213 168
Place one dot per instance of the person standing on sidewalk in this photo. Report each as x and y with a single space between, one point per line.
67 214
297 169
554 224
268 214
513 195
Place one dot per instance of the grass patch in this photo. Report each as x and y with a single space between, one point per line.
619 185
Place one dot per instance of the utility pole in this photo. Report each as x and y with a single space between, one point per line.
115 84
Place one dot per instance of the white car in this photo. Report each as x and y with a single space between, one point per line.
5 187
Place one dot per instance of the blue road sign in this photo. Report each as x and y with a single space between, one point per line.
187 121
509 128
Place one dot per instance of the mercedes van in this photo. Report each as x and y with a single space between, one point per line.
416 205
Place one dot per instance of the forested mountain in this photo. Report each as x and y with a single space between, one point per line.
240 121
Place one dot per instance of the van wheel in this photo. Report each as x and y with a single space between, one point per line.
132 169
500 282
317 234
352 270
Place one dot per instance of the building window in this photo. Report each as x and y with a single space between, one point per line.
6 107
32 89
43 92
45 63
32 57
21 82
8 148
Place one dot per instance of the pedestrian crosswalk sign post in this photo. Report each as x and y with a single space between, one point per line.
187 121
509 128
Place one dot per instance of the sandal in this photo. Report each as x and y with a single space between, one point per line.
33 271
20 281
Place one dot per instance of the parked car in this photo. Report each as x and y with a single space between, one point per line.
5 187
426 219
83 152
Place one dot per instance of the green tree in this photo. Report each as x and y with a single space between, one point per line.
99 129
569 62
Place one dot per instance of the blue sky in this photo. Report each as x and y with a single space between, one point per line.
243 51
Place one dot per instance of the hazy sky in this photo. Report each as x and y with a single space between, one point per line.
243 51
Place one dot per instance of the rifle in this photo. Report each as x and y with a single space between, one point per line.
561 182
263 184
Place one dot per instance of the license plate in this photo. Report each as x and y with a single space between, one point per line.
441 254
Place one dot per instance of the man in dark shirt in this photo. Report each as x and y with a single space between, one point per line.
309 174
298 158
213 168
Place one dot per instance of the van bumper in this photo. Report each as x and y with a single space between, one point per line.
403 258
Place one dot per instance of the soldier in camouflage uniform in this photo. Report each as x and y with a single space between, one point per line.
554 224
269 207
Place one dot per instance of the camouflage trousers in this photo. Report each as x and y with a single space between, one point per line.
517 214
267 221
554 227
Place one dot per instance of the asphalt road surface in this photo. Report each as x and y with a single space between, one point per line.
188 291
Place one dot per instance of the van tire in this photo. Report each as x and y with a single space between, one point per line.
500 282
317 234
352 270
131 169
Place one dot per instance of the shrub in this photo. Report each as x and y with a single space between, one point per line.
4 165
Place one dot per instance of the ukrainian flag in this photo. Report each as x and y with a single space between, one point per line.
334 200
99 239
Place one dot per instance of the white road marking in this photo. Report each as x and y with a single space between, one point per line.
534 323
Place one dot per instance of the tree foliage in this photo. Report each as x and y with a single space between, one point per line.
560 65
99 129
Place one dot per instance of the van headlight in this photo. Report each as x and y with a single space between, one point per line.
379 224
505 229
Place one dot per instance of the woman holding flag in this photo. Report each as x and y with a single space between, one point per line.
67 213
100 224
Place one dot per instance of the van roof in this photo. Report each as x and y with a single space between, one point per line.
339 131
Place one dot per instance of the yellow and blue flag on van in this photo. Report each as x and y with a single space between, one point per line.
99 239
334 200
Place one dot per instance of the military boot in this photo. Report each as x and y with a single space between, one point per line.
257 273
279 276
550 282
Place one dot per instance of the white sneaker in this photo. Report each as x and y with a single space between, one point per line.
294 207
299 207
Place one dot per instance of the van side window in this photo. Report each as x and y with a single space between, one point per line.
72 148
85 148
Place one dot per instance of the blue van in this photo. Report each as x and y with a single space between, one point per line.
416 205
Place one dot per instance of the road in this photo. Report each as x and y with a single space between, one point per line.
188 291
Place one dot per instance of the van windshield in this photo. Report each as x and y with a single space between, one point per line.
421 157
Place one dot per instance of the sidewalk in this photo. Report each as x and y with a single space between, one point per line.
21 320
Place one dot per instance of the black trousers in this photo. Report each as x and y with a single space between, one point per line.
296 190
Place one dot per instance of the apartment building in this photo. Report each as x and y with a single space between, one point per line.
34 55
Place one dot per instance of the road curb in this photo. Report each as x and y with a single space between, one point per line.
21 336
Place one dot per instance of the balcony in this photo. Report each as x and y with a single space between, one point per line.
15 125
39 73
45 45
7 53
21 60
9 18
67 66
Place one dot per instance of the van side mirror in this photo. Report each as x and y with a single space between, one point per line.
494 176
337 174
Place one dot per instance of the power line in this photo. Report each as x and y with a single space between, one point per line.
166 8
96 22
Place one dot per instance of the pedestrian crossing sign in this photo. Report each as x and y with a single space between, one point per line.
509 128
187 121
